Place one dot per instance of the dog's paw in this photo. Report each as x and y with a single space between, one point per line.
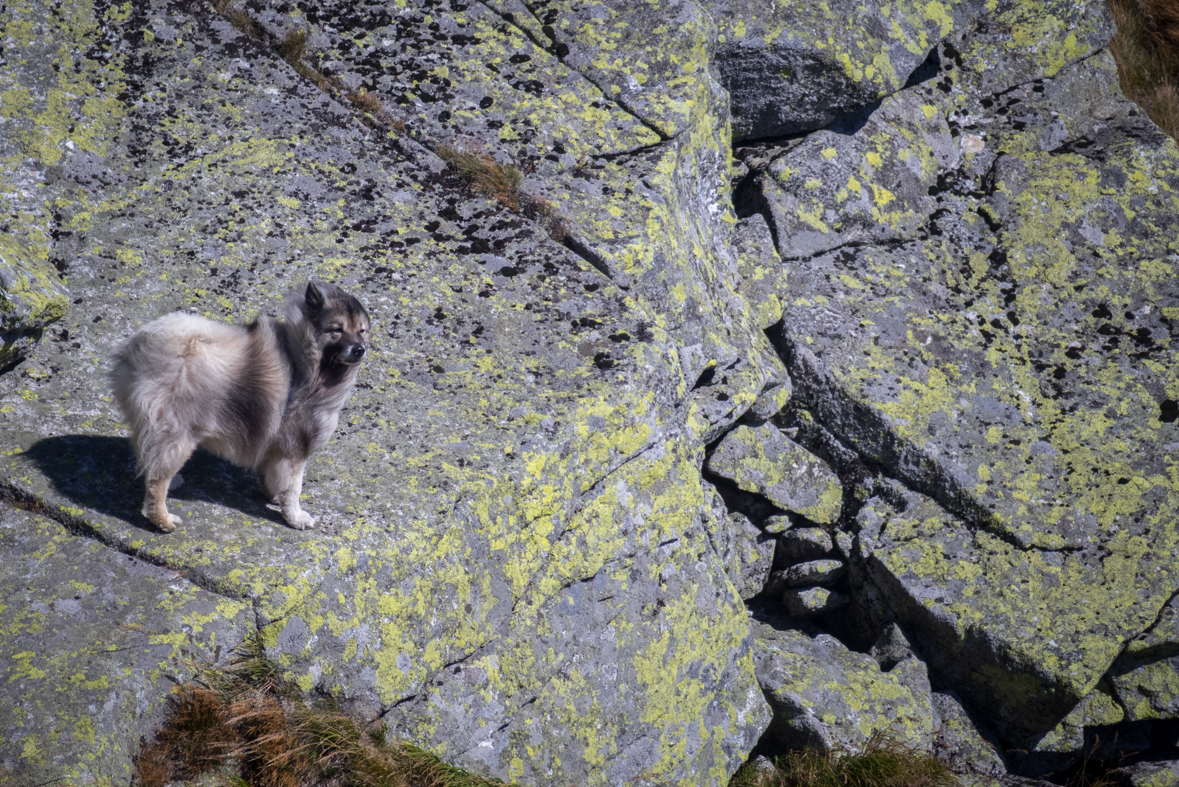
300 520
168 524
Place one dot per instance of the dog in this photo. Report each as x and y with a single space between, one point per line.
265 395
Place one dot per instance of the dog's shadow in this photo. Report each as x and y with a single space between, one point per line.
98 473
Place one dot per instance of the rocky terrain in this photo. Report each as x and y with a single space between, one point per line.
817 382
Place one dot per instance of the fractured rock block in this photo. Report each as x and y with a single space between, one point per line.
815 572
812 601
827 696
761 459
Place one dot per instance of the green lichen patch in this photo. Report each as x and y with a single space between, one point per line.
92 641
763 460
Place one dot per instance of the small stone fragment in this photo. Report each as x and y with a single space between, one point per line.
812 601
815 572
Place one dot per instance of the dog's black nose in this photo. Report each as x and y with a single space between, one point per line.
358 352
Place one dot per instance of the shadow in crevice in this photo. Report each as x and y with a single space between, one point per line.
98 473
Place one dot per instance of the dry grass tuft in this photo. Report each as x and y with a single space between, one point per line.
293 46
502 182
884 763
250 728
1146 48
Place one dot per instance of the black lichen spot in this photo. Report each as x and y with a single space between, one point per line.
1102 312
603 360
486 102
1168 411
620 337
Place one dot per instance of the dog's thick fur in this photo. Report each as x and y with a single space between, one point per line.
265 395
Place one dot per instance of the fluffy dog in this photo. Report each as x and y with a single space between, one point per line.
265 395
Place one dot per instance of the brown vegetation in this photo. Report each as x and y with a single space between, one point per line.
249 728
1146 48
884 763
502 182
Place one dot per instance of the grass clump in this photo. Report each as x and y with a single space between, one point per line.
885 762
1146 48
247 727
502 182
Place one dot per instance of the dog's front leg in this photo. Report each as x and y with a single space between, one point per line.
283 479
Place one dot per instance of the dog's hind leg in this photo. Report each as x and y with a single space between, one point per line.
159 466
282 480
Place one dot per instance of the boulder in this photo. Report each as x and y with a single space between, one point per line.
763 460
1024 635
746 553
811 601
511 564
835 699
793 67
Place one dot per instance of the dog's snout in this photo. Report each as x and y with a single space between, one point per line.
358 351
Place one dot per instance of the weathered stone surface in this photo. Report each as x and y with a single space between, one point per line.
92 642
763 274
801 544
621 128
809 602
510 561
32 295
746 553
815 572
827 696
1144 678
976 357
1163 773
793 67
763 460
1024 635
958 742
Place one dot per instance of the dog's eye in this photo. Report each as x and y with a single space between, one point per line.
335 330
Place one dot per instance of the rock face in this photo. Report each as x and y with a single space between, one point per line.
906 376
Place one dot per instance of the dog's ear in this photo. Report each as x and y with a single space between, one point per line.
313 298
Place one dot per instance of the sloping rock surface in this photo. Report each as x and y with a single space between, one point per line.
936 330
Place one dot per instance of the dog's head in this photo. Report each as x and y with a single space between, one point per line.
339 324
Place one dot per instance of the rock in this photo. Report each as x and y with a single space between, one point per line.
953 375
32 295
1143 678
1023 635
746 553
795 67
769 403
959 743
815 572
763 275
827 696
511 561
94 642
1160 773
801 544
891 647
812 601
763 460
